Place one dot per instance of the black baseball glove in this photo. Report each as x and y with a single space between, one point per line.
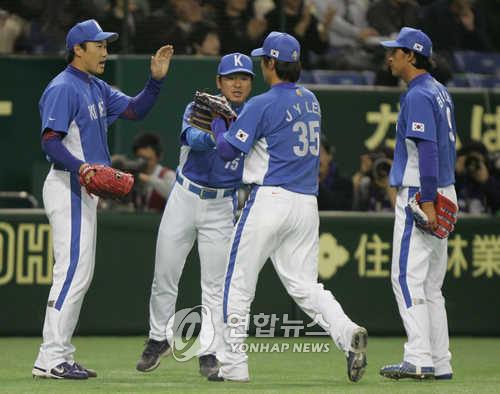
206 107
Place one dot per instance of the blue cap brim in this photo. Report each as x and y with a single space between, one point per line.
391 44
106 36
258 52
238 70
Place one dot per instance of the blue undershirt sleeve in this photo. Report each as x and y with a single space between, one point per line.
139 106
57 152
226 151
428 164
198 140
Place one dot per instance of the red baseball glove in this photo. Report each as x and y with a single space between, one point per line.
107 182
446 215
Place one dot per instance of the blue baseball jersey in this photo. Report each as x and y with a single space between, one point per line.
427 113
280 133
82 107
206 167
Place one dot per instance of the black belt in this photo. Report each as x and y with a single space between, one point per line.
204 193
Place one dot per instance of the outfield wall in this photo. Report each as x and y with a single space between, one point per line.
354 263
354 119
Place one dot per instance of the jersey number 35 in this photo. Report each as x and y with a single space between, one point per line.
308 138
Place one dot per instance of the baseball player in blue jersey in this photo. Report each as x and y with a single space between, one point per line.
424 162
279 132
201 206
76 109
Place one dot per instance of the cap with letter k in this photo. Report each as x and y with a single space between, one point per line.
280 46
235 63
412 39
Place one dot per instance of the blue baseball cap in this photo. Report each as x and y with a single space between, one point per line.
281 46
88 30
235 63
412 39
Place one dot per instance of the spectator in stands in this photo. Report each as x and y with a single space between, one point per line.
114 16
239 29
296 18
48 28
349 34
490 10
454 25
173 23
12 27
477 180
155 183
205 39
187 14
371 188
335 191
389 16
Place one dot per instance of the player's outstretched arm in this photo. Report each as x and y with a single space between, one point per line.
160 62
139 106
226 151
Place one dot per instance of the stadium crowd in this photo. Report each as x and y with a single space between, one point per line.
325 28
334 34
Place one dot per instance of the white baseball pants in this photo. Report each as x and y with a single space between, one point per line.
72 215
419 264
188 217
284 226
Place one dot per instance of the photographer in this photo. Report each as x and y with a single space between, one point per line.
371 188
335 191
153 182
477 179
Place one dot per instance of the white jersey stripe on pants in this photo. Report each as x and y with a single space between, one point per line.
405 248
277 224
234 247
76 210
72 216
418 271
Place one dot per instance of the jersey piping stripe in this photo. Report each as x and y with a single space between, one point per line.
235 206
76 221
405 248
234 248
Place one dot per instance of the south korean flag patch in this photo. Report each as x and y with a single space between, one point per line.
241 135
418 47
416 126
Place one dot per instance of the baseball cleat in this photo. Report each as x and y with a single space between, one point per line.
356 357
407 370
150 358
446 376
61 371
90 372
208 365
216 378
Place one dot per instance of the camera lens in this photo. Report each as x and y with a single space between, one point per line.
381 168
472 164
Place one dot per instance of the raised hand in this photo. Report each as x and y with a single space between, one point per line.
160 62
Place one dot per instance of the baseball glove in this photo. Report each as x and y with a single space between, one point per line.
107 182
206 107
446 215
